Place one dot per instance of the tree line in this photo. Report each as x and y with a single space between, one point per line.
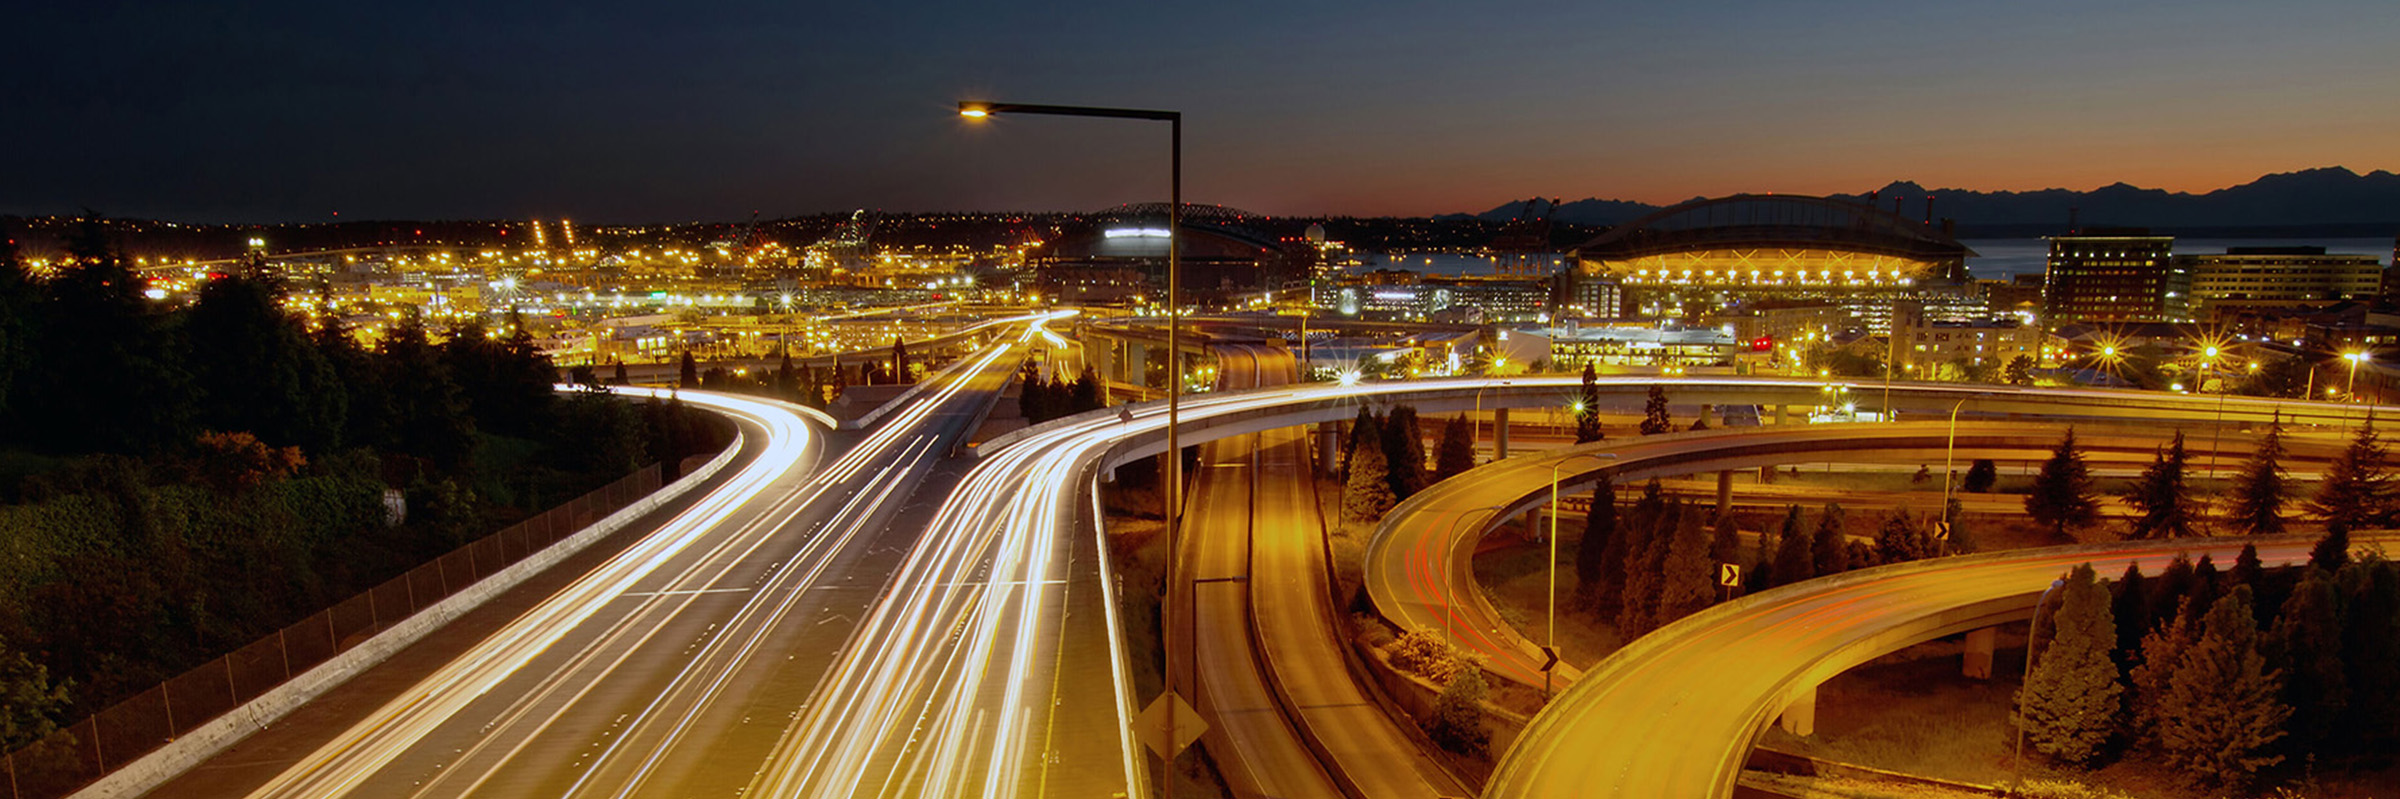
2231 678
2356 493
1042 399
180 480
1383 459
1658 560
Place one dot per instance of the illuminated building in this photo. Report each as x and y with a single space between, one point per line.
1693 260
2258 278
2115 276
1122 257
1569 348
1407 296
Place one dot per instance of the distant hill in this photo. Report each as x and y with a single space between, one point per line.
2324 199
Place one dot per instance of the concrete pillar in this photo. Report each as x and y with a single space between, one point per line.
1980 644
1800 717
1707 409
1766 475
1724 492
1783 414
1329 449
1499 434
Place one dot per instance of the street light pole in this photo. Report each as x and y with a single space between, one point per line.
1550 638
1172 497
1950 454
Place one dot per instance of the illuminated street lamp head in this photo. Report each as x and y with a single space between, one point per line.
974 110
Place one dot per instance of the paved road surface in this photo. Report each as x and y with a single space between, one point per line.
1675 713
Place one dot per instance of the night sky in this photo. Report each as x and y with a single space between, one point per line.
615 112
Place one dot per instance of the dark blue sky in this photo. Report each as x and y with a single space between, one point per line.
623 112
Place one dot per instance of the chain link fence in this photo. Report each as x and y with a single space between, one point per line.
85 751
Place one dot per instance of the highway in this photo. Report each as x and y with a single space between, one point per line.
1418 566
1287 716
682 654
1676 712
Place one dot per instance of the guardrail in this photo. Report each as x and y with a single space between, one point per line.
196 704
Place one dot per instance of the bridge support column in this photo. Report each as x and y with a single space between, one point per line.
1783 414
1499 434
1980 644
1724 492
1329 449
1800 717
1705 410
1766 475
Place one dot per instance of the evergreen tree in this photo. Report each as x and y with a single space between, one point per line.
1654 412
1981 475
1599 529
1587 408
1457 452
19 299
1368 494
2062 492
1898 540
505 382
2068 707
1033 396
1829 550
811 387
787 383
2258 491
2332 551
2371 655
428 417
2223 708
2357 492
2207 584
255 370
1645 574
1794 560
1366 431
689 375
1625 549
621 378
1725 545
2161 653
2019 371
1687 577
2306 645
109 361
1087 394
2174 585
1404 451
2162 503
2130 606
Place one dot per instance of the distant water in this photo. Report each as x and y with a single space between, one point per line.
1997 259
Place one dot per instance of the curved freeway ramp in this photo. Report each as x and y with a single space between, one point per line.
1675 713
1418 567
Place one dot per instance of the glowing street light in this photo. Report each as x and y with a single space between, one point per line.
2355 357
